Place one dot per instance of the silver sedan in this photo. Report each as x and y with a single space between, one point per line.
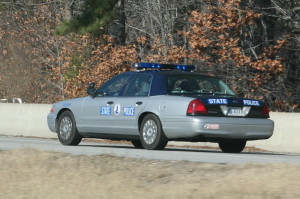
157 103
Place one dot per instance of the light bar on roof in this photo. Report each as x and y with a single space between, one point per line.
157 66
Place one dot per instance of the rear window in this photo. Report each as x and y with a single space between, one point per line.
198 85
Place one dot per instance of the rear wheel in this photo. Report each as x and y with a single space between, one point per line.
232 146
66 129
151 133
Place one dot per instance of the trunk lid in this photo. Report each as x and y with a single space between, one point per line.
234 107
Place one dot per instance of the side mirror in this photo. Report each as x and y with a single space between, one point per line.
91 90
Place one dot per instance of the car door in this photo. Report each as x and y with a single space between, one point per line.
129 106
97 111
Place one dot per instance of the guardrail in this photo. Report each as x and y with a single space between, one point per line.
25 120
31 120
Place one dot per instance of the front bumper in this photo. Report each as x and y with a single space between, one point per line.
218 127
51 121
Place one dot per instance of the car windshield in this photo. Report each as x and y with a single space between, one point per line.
197 85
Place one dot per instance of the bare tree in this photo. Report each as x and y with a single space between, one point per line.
157 19
281 20
28 48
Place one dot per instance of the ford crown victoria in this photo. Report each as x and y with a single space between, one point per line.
158 103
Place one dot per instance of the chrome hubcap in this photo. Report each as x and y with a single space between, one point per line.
65 128
149 132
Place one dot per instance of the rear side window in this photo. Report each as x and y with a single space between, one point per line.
201 85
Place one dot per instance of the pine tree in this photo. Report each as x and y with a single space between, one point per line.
95 15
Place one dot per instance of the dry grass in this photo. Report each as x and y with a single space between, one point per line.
29 173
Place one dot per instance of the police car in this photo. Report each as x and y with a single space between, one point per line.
158 103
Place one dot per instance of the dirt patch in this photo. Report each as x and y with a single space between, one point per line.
29 173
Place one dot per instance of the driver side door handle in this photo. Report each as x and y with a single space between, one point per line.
139 103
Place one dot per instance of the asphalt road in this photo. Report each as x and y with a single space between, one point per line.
173 154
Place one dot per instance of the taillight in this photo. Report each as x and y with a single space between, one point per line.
266 110
196 107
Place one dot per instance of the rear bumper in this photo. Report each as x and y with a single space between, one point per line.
217 128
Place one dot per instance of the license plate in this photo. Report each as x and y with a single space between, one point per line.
235 111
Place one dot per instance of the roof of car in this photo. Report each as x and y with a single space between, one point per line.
166 72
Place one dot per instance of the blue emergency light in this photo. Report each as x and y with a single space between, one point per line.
157 66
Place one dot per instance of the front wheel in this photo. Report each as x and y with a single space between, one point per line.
137 144
232 146
151 133
66 129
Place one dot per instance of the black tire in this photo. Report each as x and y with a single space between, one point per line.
66 129
232 146
137 144
151 133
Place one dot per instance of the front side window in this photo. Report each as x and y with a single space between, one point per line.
140 86
201 85
114 87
